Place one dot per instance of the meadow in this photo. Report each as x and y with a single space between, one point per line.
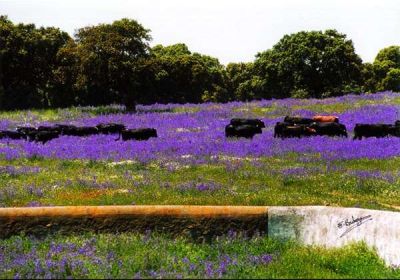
191 162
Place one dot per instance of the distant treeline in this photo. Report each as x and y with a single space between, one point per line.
113 63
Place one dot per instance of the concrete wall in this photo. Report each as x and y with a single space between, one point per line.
334 226
318 225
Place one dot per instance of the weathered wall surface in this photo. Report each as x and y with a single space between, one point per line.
197 222
333 227
319 225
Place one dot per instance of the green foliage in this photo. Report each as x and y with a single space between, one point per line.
243 83
172 50
384 72
391 55
392 80
113 63
155 255
174 74
28 58
320 63
299 93
109 55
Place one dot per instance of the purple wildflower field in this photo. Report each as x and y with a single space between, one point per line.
191 162
194 133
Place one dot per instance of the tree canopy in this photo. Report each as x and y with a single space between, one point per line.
385 69
114 63
109 55
28 58
174 74
315 64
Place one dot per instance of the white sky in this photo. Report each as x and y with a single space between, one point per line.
230 30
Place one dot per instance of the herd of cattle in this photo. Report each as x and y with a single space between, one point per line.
316 126
46 133
290 127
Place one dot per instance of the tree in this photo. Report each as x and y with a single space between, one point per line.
318 63
171 51
386 61
174 74
390 55
392 80
65 89
28 57
109 56
368 77
243 83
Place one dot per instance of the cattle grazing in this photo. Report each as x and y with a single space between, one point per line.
12 134
373 130
326 119
66 129
49 128
45 136
80 131
137 134
297 120
252 122
26 129
246 131
109 128
395 130
296 131
329 129
278 129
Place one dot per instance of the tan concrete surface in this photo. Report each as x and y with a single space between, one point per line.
334 227
157 210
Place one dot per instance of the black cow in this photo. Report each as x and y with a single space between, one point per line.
12 134
46 128
25 129
44 136
373 130
108 128
290 131
28 131
80 131
246 131
329 129
397 123
395 130
137 134
297 120
64 128
278 129
252 122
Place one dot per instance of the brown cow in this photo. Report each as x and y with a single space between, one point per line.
325 119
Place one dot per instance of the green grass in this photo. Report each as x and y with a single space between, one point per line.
158 256
52 115
261 181
234 182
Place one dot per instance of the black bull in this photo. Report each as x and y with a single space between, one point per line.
285 129
137 134
375 130
252 122
297 120
246 131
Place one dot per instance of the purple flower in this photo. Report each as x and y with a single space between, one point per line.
260 259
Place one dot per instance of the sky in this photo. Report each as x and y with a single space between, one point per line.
232 31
